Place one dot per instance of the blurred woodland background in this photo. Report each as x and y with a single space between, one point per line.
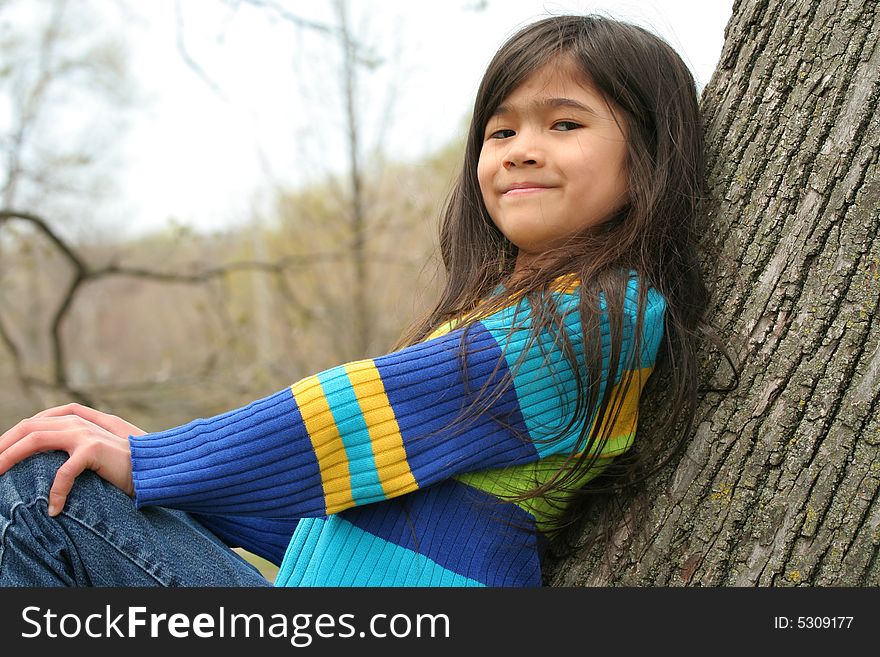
177 323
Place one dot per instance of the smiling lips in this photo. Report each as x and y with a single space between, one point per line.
518 189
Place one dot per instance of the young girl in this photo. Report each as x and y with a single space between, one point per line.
569 243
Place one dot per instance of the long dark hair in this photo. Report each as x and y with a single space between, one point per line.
656 234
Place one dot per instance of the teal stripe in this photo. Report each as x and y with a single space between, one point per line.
303 542
540 399
655 317
354 557
346 411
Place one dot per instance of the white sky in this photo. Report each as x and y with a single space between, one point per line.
207 158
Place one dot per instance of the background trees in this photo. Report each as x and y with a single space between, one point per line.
90 312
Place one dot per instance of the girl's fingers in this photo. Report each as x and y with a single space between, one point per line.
64 479
71 408
88 446
31 426
36 423
71 416
111 423
101 446
43 439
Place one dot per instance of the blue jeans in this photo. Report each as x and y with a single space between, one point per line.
100 539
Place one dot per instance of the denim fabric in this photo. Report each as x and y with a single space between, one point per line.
100 539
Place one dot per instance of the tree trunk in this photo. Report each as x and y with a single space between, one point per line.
778 485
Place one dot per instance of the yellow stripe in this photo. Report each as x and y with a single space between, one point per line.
443 329
623 431
392 466
566 284
326 442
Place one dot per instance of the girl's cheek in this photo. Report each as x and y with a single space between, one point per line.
489 162
485 166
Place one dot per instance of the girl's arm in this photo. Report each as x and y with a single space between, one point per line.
265 537
99 441
358 433
379 428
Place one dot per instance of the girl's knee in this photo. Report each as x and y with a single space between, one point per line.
30 479
92 500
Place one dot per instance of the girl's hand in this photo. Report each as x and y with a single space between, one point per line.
94 440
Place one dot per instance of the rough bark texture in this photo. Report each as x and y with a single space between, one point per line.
779 483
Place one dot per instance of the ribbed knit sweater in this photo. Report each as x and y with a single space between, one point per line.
369 473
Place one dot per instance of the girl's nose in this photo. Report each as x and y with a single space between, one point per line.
522 152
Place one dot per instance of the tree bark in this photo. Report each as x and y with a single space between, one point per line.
778 484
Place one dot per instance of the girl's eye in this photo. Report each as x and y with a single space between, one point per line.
565 126
502 134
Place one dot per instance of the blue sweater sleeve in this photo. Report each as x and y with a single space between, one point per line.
378 428
265 537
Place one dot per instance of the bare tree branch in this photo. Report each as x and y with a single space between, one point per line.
83 273
43 226
286 15
187 58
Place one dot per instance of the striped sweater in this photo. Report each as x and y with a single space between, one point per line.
366 474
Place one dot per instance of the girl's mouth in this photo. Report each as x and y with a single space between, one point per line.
518 189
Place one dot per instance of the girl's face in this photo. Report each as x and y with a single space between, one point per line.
553 160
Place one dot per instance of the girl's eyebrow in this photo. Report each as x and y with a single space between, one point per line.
549 103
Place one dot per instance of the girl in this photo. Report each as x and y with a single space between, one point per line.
569 243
